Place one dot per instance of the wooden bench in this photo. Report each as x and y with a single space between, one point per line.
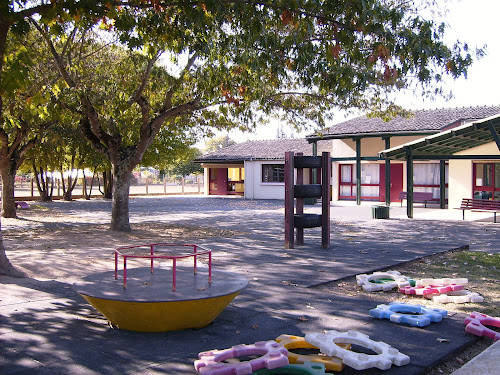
480 205
418 197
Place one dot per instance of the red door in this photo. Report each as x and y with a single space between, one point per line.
221 181
396 181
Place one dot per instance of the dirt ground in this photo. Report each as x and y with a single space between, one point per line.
59 249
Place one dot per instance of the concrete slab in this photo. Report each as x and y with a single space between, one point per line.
486 363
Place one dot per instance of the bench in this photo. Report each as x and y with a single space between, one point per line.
418 197
480 205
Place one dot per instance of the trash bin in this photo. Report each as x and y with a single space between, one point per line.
310 201
380 212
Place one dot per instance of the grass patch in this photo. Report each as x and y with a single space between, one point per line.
482 270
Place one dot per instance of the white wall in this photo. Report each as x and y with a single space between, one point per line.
460 174
459 182
370 146
255 188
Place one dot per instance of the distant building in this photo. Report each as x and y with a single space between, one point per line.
253 169
360 140
360 159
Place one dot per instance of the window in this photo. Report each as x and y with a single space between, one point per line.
426 179
236 180
370 181
273 173
486 180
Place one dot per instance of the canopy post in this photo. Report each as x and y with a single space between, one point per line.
442 184
409 182
358 171
387 174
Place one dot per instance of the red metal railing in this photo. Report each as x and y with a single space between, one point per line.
151 248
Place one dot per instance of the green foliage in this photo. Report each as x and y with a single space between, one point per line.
214 144
140 69
183 165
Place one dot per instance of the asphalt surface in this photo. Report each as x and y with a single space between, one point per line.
47 328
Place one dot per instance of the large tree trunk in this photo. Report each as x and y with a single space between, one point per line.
8 200
6 268
121 189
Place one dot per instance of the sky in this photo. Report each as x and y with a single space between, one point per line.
472 21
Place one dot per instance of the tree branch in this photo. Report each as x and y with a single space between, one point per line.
145 77
58 59
167 104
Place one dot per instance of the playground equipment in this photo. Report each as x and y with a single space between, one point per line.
444 281
421 316
391 280
383 360
476 322
157 299
295 342
272 355
458 296
302 369
430 289
295 194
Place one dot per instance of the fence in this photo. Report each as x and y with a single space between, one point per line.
25 187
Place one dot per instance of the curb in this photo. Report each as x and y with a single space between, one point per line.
485 363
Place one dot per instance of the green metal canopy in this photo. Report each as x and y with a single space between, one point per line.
446 144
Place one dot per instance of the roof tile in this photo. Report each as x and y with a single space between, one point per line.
262 150
422 121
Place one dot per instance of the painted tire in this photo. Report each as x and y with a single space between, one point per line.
307 191
307 220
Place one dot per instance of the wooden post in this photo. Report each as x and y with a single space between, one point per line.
289 200
165 185
199 184
326 174
299 209
183 183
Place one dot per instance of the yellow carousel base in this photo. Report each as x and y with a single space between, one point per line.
149 304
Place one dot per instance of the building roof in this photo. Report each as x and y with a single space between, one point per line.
428 121
261 150
447 143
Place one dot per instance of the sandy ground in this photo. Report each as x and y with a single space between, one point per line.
48 243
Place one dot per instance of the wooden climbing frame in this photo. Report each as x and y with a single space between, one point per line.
296 191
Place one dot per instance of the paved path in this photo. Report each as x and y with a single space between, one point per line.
46 328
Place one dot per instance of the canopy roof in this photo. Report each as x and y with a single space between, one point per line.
450 142
422 123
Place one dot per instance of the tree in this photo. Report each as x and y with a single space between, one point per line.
234 62
237 59
184 165
214 144
30 111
